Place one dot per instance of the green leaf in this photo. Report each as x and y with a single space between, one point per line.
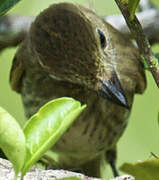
12 140
132 5
45 128
144 170
5 5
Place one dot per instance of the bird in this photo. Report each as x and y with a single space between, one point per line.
70 51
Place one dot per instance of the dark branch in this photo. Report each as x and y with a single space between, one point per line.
13 30
141 39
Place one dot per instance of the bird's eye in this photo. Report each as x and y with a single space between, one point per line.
102 38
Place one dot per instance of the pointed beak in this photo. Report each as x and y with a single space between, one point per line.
112 90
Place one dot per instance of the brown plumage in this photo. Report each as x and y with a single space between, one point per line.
70 51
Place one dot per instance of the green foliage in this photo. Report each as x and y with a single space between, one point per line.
5 5
41 132
144 170
44 129
12 140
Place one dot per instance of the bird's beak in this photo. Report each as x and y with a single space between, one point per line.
112 90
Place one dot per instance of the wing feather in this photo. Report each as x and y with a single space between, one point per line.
16 74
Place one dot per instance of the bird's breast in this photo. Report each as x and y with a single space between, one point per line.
97 129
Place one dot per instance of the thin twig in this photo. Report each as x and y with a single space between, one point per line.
13 29
141 39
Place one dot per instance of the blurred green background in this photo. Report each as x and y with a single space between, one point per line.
142 134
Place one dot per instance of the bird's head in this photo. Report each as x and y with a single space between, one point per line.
73 44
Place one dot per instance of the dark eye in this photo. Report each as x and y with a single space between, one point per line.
102 38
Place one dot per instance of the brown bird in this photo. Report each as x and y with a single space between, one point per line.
71 51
